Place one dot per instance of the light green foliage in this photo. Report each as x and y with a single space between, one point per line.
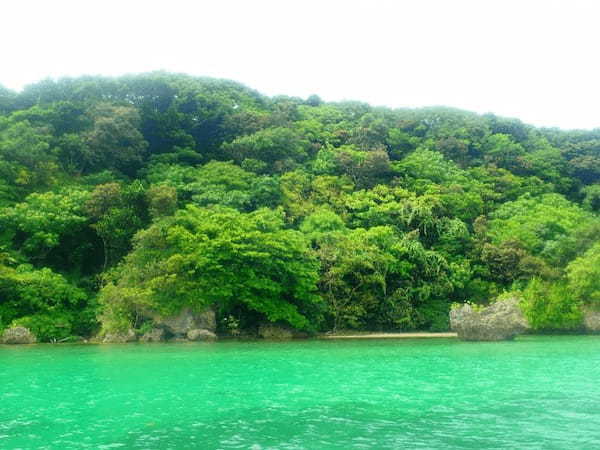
429 172
397 207
320 223
175 175
296 189
583 275
279 147
122 306
219 183
218 256
423 164
537 222
551 306
502 151
7 193
325 162
592 197
500 185
44 301
43 218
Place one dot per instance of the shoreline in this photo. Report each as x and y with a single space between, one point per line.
363 335
323 337
414 335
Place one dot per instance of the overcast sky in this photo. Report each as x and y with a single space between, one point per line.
535 60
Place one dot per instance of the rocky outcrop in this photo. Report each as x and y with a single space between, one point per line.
154 335
18 335
201 335
591 319
499 321
279 332
180 324
119 337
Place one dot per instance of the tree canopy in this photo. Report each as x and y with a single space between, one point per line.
162 191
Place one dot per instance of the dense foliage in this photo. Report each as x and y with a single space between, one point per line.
162 191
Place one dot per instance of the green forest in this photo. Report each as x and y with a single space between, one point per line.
160 191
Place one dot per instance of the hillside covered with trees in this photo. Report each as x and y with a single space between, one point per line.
163 191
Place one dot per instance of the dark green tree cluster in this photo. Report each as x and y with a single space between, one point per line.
162 191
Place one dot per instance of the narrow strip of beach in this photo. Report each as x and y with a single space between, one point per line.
417 335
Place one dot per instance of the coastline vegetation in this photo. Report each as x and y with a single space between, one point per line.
164 191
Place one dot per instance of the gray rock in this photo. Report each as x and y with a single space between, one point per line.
18 335
502 320
591 319
201 335
179 325
119 337
154 335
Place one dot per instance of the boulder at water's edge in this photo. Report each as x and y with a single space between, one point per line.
119 337
201 335
18 335
499 321
180 324
591 319
154 335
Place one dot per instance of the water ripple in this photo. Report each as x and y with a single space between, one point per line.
530 393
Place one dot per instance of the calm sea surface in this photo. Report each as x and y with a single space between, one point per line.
535 392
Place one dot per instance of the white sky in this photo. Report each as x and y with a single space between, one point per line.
535 60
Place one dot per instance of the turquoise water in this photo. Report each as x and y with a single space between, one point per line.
535 392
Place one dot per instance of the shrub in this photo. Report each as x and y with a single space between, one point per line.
551 306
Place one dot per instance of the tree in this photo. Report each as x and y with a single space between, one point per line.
400 143
117 213
162 200
217 182
46 221
7 98
551 306
377 279
591 200
586 168
583 275
114 141
364 168
45 302
314 100
501 150
26 158
423 164
503 260
537 222
279 147
220 257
